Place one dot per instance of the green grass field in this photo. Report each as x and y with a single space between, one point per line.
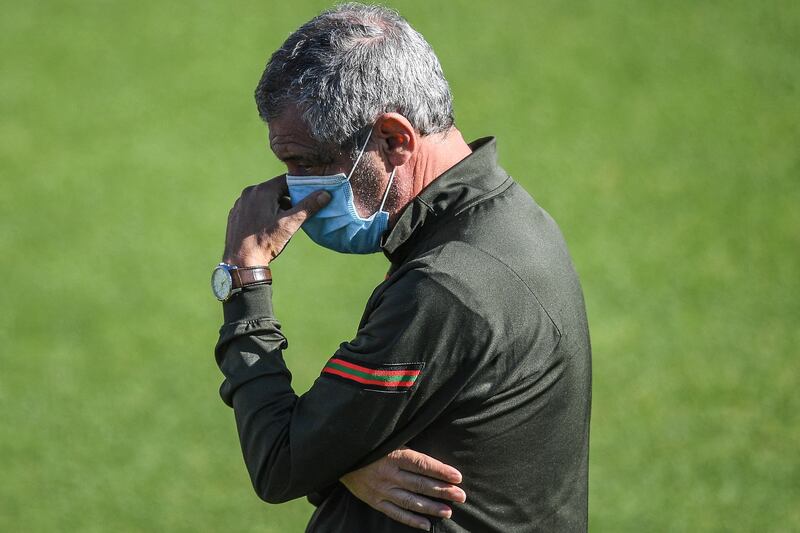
663 136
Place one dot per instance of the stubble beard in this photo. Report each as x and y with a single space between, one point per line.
369 188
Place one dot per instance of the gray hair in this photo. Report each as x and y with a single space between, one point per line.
349 64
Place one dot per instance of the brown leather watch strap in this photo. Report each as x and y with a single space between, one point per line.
257 275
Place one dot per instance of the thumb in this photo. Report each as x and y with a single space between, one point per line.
306 209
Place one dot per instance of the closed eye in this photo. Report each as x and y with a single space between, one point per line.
302 166
300 169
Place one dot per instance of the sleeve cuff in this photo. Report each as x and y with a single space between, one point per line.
251 303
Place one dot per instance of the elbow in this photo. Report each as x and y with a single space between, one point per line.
268 494
273 485
270 462
270 497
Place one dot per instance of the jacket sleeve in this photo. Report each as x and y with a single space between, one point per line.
416 349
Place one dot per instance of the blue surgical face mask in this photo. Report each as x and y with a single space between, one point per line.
338 226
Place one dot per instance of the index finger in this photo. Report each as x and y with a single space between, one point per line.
419 463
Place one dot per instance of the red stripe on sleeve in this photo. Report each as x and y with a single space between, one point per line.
387 384
410 373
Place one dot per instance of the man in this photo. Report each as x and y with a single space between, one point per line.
474 350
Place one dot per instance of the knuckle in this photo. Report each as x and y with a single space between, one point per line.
420 462
408 501
406 459
385 488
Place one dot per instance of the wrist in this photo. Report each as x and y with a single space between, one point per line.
251 252
228 280
248 261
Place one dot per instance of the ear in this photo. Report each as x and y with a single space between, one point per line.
397 138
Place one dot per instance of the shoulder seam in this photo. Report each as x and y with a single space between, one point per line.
530 290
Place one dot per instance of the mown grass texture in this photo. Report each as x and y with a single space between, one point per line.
663 137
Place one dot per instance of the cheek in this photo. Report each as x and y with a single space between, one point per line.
368 186
294 170
335 168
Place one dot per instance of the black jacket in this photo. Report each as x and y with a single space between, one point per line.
475 350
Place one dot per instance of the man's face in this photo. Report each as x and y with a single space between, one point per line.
303 156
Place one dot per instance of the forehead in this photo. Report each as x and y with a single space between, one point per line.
289 137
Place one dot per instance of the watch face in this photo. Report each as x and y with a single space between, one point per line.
221 283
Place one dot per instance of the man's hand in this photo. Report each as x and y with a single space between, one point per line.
262 221
397 484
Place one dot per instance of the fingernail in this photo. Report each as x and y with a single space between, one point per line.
424 525
323 197
446 513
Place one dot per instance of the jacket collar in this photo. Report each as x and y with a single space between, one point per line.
461 186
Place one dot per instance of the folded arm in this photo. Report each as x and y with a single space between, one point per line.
375 394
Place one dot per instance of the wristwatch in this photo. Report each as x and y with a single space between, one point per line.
227 280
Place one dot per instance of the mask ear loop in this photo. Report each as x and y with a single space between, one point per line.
388 187
359 156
